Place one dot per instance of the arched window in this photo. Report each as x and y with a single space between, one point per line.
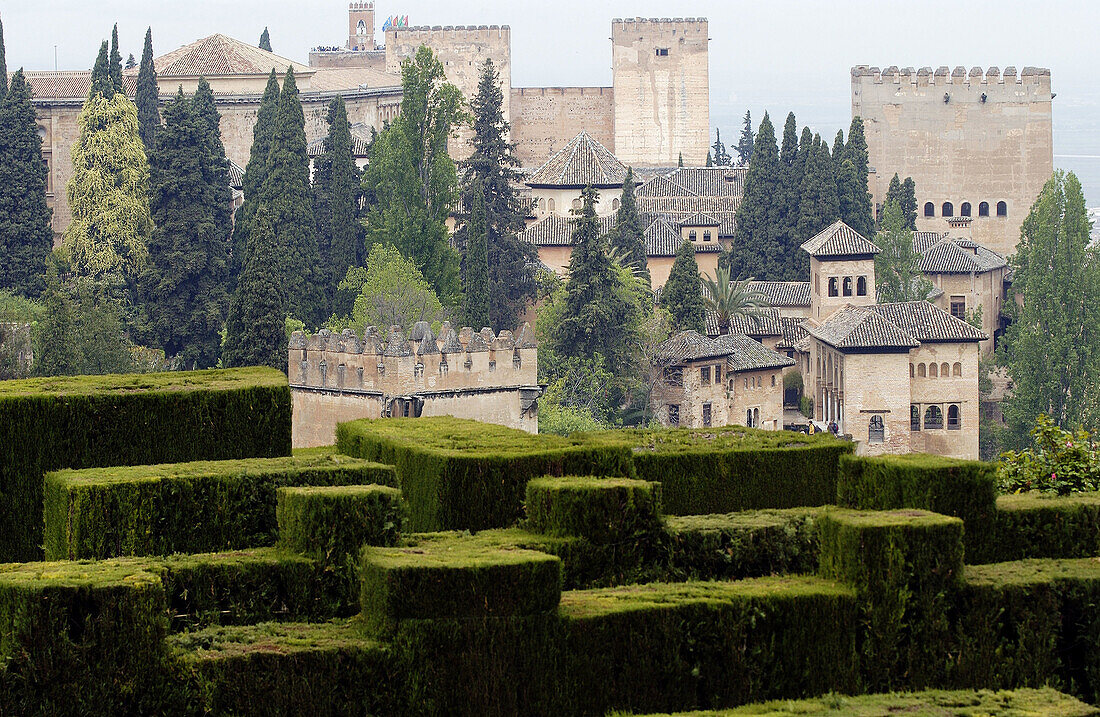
983 209
550 205
933 371
614 205
914 417
929 209
748 417
847 286
691 235
920 370
954 418
1002 209
577 204
957 369
948 210
833 286
912 370
861 286
945 370
361 28
706 235
756 416
876 430
933 417
964 210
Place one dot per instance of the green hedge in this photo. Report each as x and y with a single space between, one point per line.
964 489
906 566
600 509
720 470
288 669
88 421
1032 525
466 475
455 579
689 645
195 507
329 523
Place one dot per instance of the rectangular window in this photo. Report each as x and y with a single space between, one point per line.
958 307
662 52
718 374
914 417
704 375
706 414
773 379
674 414
674 376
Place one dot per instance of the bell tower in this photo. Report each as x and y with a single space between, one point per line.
361 25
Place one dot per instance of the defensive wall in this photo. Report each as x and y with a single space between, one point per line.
544 119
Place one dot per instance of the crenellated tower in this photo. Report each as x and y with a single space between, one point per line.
360 25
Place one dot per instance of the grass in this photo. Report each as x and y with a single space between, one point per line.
742 521
172 381
903 517
1034 571
269 638
681 440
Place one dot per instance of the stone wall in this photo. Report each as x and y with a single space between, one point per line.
985 290
760 392
876 384
820 273
544 119
352 59
960 388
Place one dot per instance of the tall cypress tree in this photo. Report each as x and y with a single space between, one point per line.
755 250
908 202
255 332
336 201
476 278
491 171
628 236
148 95
838 148
721 156
58 353
682 294
744 144
287 194
101 75
847 190
3 64
790 180
116 62
25 234
818 206
265 41
255 173
862 217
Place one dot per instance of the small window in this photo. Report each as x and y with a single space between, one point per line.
876 430
929 209
577 204
964 210
948 209
706 235
957 369
912 370
933 371
945 370
718 374
958 307
1002 209
833 286
756 416
691 235
706 414
550 205
748 417
914 417
954 418
933 417
746 382
674 414
662 52
704 375
674 376
542 204
614 205
847 286
983 209
920 370
861 286
773 380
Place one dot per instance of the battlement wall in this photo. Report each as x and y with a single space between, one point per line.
544 119
942 76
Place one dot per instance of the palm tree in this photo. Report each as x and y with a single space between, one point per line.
728 299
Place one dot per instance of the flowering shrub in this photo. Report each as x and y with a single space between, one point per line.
1059 461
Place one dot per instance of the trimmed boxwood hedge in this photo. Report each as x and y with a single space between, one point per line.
720 470
964 489
196 507
906 566
465 475
329 523
88 421
600 509
1032 525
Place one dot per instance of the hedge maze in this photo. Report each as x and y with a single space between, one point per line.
167 554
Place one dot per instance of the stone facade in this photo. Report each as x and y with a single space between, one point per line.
545 118
837 282
975 143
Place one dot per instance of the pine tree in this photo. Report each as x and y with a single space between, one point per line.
116 62
744 145
710 160
265 41
3 64
682 294
818 205
56 351
861 217
147 96
255 174
101 84
838 148
255 332
131 61
336 202
25 234
755 250
476 286
721 156
627 238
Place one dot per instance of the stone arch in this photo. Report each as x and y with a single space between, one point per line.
957 369
921 370
947 210
929 209
983 209
933 370
945 369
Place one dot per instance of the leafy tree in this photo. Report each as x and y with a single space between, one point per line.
390 291
56 352
1052 347
411 178
101 84
116 63
721 156
491 171
682 295
628 236
744 145
860 216
255 332
756 250
336 201
897 276
905 194
727 298
255 173
476 286
25 234
265 41
286 192
147 95
818 204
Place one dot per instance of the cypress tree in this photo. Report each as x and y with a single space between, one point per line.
909 202
25 234
721 156
847 189
683 294
101 75
818 206
680 161
476 285
265 41
255 332
862 217
838 148
336 201
116 62
255 173
789 151
744 144
755 250
710 160
3 64
147 95
790 180
287 194
627 238
893 192
56 351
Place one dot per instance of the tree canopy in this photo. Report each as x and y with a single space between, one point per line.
682 295
255 332
628 236
905 194
147 95
265 40
755 250
744 144
897 274
390 291
255 173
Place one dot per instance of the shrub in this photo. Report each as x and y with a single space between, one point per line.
461 474
600 509
194 507
719 470
88 421
1033 525
1059 461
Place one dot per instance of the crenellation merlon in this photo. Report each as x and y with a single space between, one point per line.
450 32
943 76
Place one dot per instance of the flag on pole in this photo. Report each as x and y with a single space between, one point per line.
387 24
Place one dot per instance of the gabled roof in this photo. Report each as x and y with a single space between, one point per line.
698 219
923 240
764 322
793 332
553 230
661 186
856 328
927 322
581 162
220 55
360 140
662 238
689 346
959 256
783 293
699 181
746 354
236 175
837 240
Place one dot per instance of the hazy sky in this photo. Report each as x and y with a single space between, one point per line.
778 55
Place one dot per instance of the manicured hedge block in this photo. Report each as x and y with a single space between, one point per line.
196 507
288 669
88 421
906 565
932 703
600 509
668 646
964 489
458 474
330 522
455 579
1032 525
720 470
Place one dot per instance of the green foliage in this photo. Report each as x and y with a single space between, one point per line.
897 273
390 291
336 201
1052 346
256 327
255 173
791 261
578 397
745 143
128 420
856 211
101 84
755 250
25 234
147 96
602 510
727 298
905 194
18 319
818 205
476 264
1035 525
682 295
265 40
721 156
3 64
1057 461
115 68
627 238
332 523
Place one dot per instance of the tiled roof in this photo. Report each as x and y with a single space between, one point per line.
764 322
360 140
704 181
581 162
856 327
688 346
662 186
746 354
687 192
662 235
928 322
783 293
553 230
236 175
923 240
699 219
793 332
959 256
219 55
662 238
68 85
839 239
334 79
